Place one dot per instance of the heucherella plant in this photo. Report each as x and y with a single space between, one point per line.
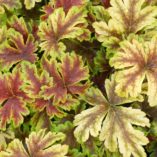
78 78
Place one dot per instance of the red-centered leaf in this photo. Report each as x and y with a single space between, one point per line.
66 4
138 64
19 25
57 89
67 77
32 87
51 109
12 99
17 50
38 144
61 26
73 72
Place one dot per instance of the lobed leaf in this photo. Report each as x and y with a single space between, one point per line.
17 50
33 84
19 25
61 26
112 122
12 99
128 16
67 77
137 62
38 144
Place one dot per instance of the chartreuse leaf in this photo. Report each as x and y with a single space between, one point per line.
38 144
137 62
61 26
29 4
17 50
9 4
127 16
33 84
112 122
12 99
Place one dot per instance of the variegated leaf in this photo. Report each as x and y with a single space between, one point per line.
127 16
17 50
61 26
112 122
67 77
137 62
38 144
33 84
14 100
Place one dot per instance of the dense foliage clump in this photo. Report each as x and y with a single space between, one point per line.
78 78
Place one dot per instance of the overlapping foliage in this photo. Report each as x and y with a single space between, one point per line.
78 78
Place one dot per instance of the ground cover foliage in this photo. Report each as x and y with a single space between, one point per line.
78 78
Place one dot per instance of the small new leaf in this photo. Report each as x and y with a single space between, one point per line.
112 122
38 144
